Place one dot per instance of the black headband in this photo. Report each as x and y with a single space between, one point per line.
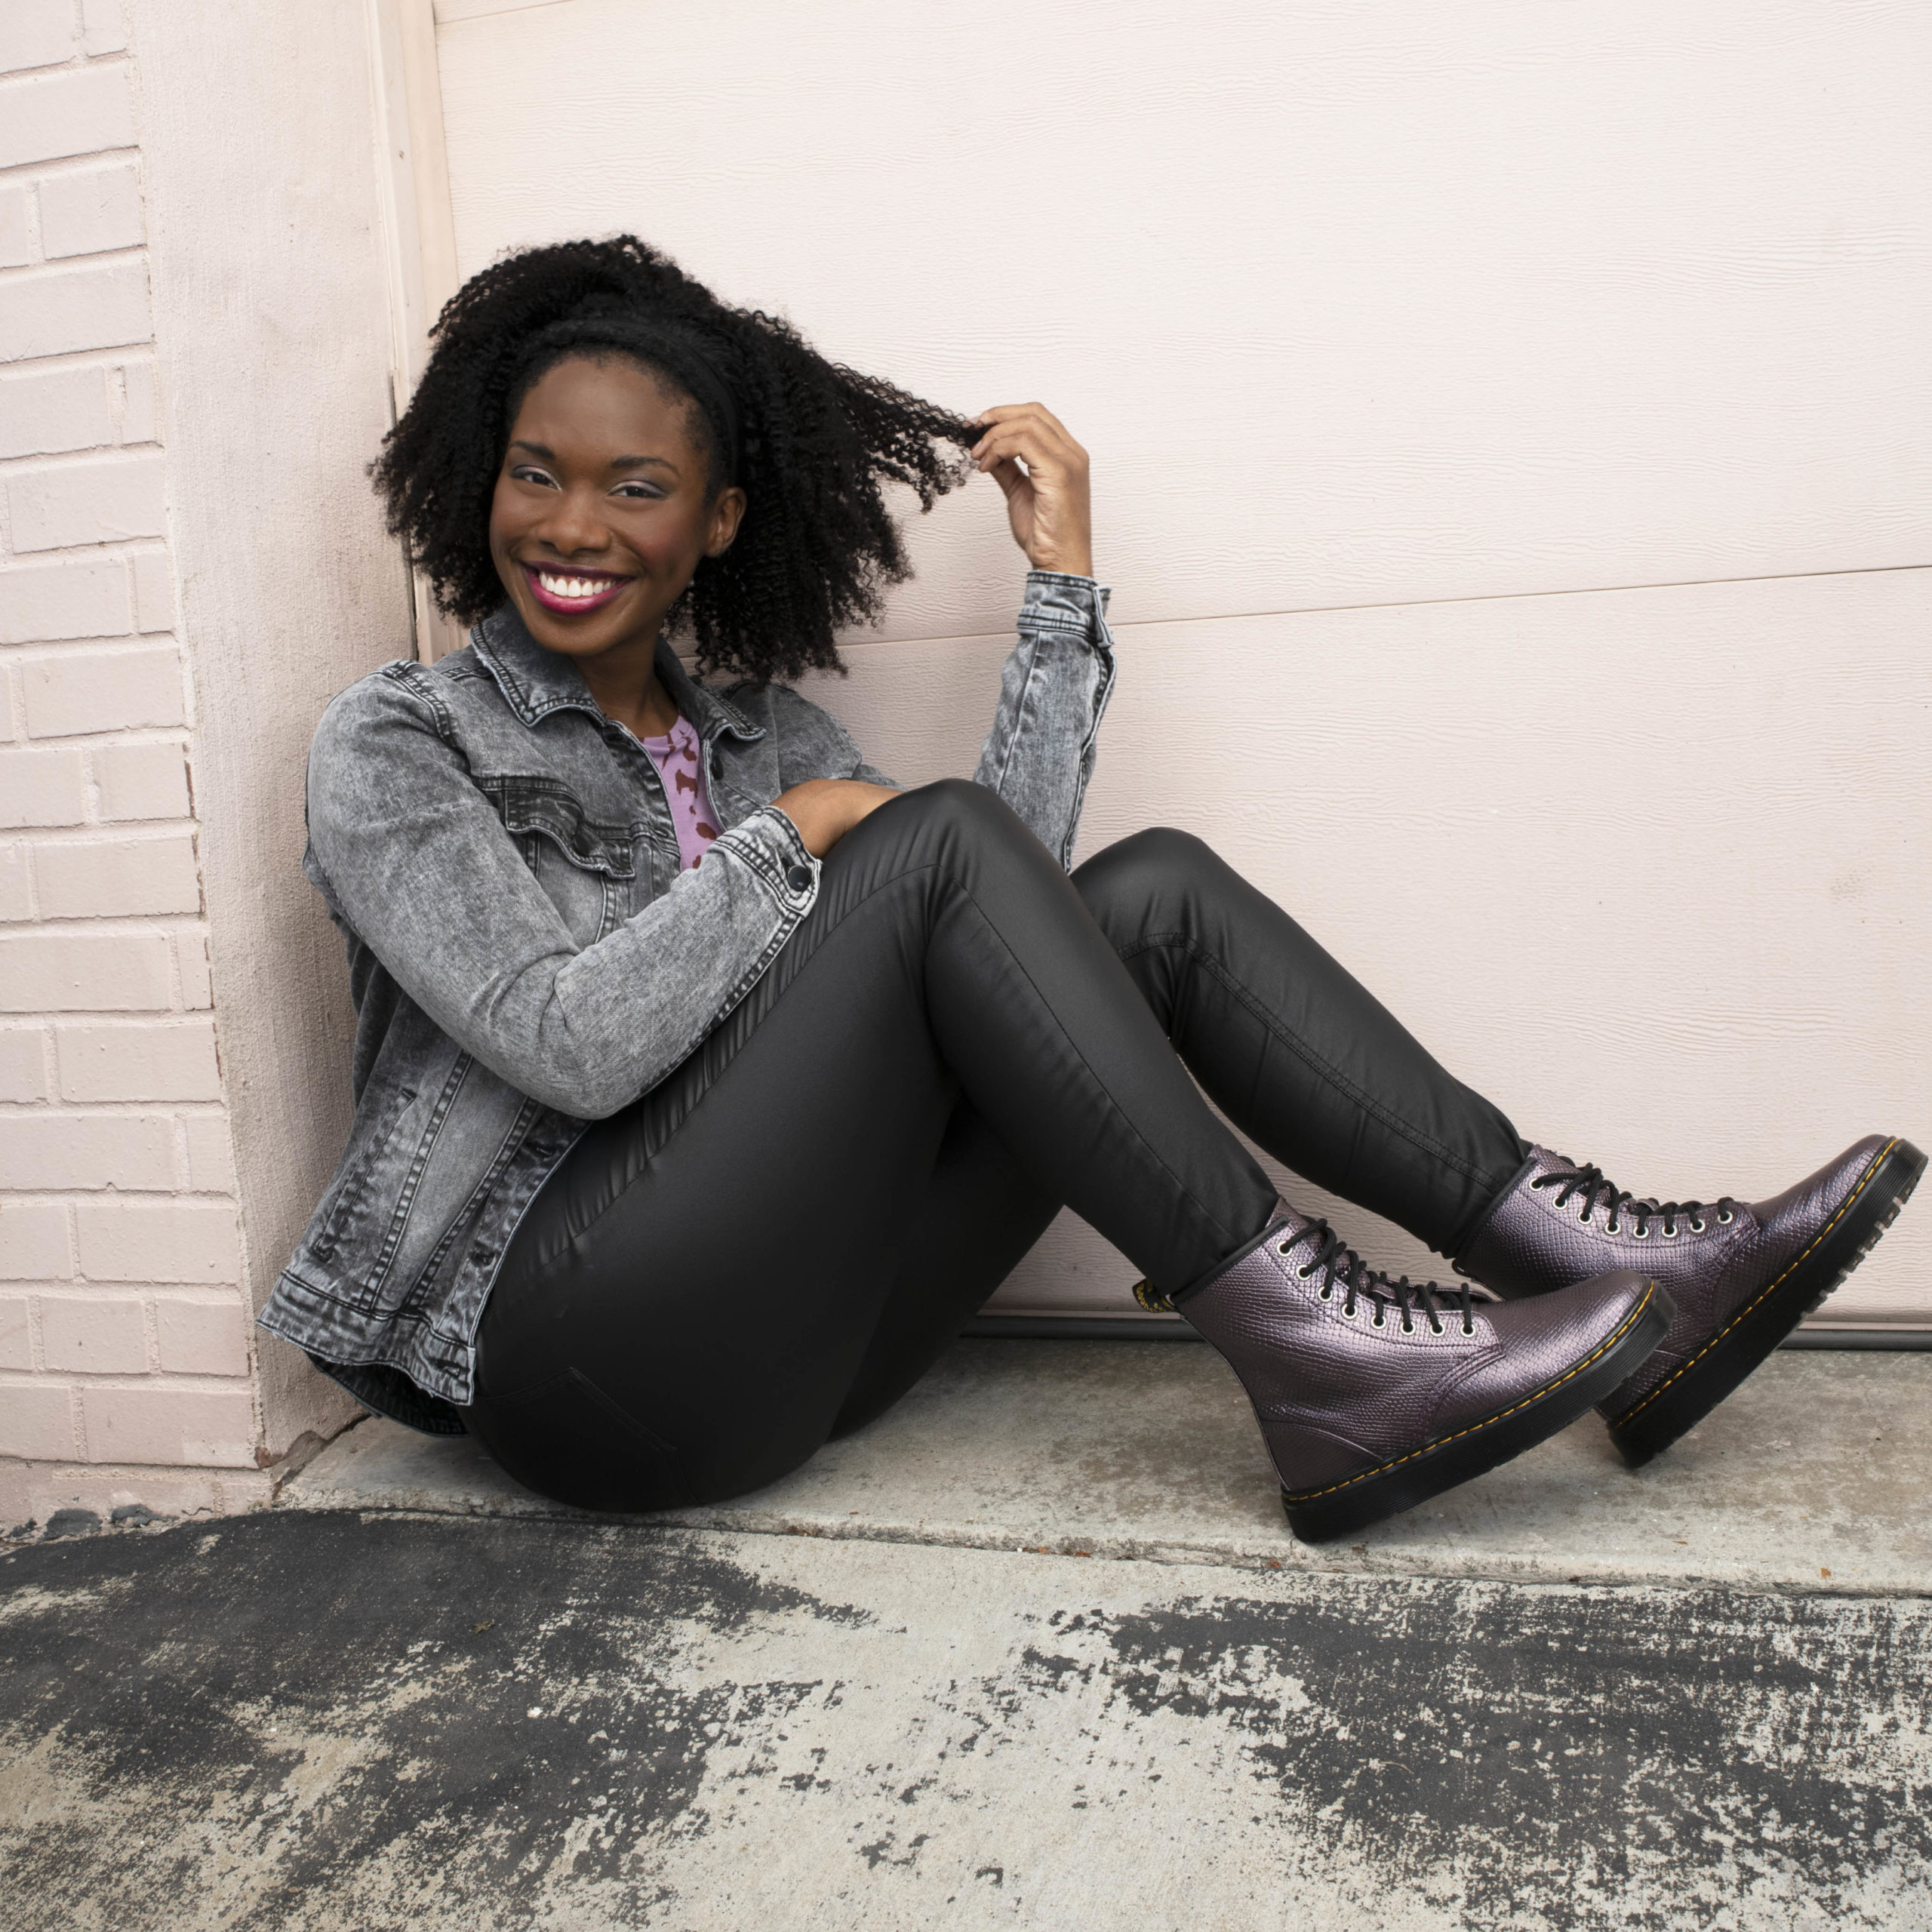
677 352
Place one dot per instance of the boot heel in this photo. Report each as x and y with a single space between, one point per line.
1319 1515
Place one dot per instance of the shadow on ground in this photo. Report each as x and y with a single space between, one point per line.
373 1722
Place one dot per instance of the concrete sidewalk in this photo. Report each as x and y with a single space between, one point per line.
1814 1477
895 1692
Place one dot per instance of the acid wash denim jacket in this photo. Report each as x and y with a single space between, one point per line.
525 956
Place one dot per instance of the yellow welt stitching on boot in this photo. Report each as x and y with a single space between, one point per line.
1474 1428
1844 1208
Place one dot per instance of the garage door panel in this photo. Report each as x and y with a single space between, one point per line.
1353 305
1647 866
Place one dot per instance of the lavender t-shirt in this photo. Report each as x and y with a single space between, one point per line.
681 766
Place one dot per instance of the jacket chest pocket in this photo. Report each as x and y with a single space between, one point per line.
586 867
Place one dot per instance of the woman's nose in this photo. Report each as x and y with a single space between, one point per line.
572 525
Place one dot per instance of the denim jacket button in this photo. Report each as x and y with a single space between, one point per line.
799 879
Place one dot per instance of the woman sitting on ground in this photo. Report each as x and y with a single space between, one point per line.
706 1083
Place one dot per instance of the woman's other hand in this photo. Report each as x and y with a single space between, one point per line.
825 809
1043 471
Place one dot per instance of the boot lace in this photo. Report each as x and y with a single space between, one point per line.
1341 1268
1588 1185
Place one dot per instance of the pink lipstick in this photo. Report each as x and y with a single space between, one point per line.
570 592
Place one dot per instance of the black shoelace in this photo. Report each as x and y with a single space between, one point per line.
1589 1184
1344 1269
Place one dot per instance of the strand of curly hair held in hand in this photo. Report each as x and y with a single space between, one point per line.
809 442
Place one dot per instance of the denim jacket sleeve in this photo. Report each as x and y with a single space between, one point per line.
1053 692
413 858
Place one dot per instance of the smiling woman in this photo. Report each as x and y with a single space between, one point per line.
706 1082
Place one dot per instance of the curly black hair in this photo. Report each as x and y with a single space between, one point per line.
808 441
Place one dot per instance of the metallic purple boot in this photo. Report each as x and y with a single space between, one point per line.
1741 1273
1373 1395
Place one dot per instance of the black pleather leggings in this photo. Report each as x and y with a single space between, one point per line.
772 1245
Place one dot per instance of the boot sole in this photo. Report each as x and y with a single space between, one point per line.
1679 1403
1316 1515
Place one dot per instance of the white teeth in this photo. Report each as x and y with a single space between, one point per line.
575 588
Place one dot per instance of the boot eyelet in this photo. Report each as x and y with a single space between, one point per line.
1671 1231
1585 1217
1285 1247
1612 1227
1696 1227
1726 1218
1408 1327
1642 1232
1434 1326
1327 1293
1302 1274
1378 1323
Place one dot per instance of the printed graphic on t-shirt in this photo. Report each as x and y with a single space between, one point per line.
680 764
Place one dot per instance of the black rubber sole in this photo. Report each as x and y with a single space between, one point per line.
1654 1423
1316 1515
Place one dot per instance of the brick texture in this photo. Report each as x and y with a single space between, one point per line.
103 690
41 787
125 1357
47 1152
83 972
94 1335
36 33
34 1246
116 877
201 1337
93 305
23 1064
160 1060
160 1425
175 1241
47 603
16 1334
36 1420
90 211
99 499
142 781
47 117
16 242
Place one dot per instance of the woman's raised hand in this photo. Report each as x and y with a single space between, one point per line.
1043 471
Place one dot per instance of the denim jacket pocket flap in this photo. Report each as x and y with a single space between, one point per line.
542 806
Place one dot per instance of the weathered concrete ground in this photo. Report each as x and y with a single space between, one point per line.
373 1718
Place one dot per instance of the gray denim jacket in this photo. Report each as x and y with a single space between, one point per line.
525 956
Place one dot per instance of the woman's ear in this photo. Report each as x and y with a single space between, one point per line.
726 515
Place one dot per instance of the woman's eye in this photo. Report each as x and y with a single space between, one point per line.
638 492
528 472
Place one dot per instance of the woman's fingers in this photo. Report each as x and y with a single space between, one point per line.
1033 444
1011 425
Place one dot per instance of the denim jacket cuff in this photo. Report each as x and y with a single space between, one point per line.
1067 603
769 843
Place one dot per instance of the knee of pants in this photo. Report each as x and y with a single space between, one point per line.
1158 867
956 812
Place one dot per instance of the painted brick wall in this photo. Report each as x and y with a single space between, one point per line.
125 1347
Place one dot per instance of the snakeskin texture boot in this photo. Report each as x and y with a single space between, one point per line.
1373 1395
1742 1274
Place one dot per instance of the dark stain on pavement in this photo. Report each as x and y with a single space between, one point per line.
480 1682
266 1722
1578 1758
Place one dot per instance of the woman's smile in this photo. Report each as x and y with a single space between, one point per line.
570 590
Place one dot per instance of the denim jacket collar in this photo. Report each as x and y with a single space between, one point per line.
535 682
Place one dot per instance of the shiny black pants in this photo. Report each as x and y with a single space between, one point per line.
774 1244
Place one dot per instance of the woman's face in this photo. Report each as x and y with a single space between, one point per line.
603 507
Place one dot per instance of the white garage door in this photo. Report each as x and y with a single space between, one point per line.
1513 444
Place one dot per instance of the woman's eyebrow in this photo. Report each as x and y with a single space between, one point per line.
643 462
